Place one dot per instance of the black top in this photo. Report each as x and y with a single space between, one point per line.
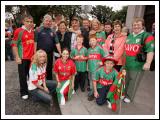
65 41
46 39
85 34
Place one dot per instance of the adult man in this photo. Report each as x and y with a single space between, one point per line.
46 39
23 48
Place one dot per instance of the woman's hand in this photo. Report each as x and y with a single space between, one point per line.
59 85
92 32
46 89
146 66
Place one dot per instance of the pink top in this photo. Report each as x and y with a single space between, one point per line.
118 47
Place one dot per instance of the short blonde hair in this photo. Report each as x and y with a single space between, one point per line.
97 21
138 19
35 59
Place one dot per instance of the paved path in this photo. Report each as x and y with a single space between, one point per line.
14 105
144 103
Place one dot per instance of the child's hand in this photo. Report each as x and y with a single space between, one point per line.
77 57
96 95
124 72
100 63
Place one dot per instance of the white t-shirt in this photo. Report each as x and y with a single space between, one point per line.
36 76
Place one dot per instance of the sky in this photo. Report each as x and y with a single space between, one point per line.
116 7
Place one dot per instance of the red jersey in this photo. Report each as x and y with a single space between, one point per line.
64 70
25 43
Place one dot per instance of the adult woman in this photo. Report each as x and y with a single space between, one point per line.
65 71
64 36
136 42
39 87
115 44
96 29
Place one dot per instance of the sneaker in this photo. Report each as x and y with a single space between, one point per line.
90 98
122 97
109 105
24 97
126 100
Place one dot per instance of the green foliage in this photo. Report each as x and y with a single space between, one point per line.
120 15
104 13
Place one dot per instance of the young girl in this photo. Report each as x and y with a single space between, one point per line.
65 71
39 87
79 55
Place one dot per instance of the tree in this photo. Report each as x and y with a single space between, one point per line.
38 11
103 13
120 14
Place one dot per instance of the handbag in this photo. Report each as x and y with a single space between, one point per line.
142 56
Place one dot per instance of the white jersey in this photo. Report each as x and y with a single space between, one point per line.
36 76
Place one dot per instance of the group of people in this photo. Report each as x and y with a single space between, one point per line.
104 58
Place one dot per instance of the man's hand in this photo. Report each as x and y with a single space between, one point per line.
18 60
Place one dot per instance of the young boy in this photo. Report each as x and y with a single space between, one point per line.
104 78
95 54
108 83
79 55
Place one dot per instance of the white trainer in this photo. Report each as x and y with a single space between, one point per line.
122 97
25 97
127 100
109 104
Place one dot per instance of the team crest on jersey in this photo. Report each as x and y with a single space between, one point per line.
69 67
59 67
138 40
127 40
26 36
152 45
51 34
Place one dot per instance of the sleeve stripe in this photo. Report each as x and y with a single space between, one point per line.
35 82
149 38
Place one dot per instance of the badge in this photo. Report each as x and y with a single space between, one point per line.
138 40
51 34
26 36
127 40
59 67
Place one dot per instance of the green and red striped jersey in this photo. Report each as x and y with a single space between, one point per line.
81 64
104 78
95 55
133 46
25 43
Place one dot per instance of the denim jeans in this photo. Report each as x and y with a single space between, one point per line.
39 94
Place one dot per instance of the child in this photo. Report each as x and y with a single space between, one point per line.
104 78
65 71
95 54
79 54
117 90
39 87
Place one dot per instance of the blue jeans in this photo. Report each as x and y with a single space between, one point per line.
102 95
39 94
